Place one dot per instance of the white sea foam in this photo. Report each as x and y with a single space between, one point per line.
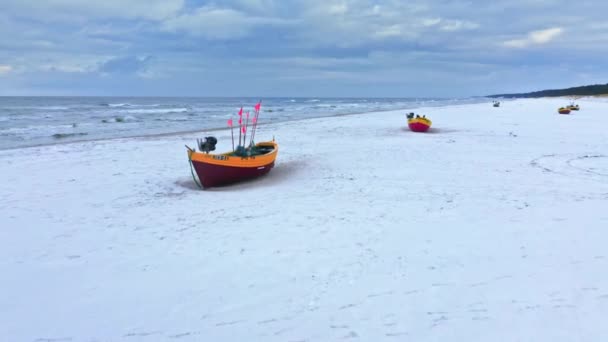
157 110
35 130
174 118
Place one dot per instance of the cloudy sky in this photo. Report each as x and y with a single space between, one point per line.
383 48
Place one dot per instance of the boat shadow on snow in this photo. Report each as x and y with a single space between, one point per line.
281 172
432 130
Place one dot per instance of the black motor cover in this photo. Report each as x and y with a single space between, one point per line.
207 145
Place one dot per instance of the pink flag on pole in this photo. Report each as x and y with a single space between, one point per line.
241 112
247 115
254 120
258 106
240 121
243 129
229 122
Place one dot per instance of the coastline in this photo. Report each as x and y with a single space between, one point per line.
59 135
216 129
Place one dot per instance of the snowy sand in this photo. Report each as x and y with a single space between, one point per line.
492 227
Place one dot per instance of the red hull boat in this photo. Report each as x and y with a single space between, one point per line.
228 168
419 124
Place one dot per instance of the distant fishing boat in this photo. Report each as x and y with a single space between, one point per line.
240 164
573 107
496 104
418 123
564 110
232 167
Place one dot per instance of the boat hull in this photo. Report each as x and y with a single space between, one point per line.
419 125
224 169
564 111
211 175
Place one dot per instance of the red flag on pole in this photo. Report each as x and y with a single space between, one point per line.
240 121
254 120
258 106
243 129
229 122
241 112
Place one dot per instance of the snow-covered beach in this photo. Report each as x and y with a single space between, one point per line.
491 227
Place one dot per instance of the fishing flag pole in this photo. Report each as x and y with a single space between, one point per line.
231 132
245 132
240 124
253 124
255 118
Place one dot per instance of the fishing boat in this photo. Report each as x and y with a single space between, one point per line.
573 107
496 104
418 123
231 167
564 110
246 161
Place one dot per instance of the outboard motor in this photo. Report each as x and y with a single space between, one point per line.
207 145
410 116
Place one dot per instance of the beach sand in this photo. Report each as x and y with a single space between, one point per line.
491 227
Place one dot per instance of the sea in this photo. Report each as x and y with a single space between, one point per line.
34 121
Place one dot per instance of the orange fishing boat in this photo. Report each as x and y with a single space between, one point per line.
231 167
564 110
418 123
242 163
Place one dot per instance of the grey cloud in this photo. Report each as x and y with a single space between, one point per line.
125 65
70 10
289 45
